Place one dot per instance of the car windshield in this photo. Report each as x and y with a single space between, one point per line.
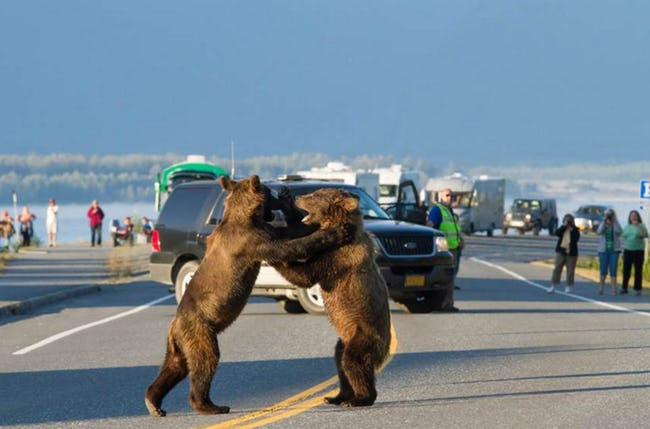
367 205
388 190
591 210
463 199
526 205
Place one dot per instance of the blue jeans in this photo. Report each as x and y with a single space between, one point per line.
96 232
608 263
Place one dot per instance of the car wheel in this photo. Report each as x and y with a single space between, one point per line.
536 229
424 303
183 278
292 307
311 299
504 230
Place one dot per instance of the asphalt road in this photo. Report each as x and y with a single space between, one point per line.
514 356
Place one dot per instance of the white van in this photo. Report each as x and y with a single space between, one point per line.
390 179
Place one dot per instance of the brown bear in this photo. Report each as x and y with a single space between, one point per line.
220 288
354 292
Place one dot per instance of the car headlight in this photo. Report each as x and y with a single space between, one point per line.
441 244
508 216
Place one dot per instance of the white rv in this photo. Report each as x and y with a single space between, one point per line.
478 202
390 179
339 172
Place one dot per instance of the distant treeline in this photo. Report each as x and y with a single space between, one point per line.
76 178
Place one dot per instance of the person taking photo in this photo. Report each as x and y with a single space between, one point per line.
609 249
566 254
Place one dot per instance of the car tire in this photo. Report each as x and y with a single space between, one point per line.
311 299
291 306
504 230
183 278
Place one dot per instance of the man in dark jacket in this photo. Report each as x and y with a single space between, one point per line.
566 253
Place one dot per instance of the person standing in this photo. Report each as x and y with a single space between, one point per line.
26 219
633 236
96 216
566 254
147 228
442 217
609 248
51 222
6 228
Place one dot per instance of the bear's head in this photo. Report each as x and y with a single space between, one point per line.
331 207
250 198
246 198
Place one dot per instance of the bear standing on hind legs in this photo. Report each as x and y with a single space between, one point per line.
354 291
220 289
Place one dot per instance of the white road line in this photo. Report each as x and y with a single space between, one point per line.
572 295
64 334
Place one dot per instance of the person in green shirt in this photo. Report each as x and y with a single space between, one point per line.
634 235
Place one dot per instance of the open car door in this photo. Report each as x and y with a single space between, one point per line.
408 208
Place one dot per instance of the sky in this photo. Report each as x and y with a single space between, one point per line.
495 82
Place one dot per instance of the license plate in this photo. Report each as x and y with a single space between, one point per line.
414 281
517 223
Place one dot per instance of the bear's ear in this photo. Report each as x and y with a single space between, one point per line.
224 182
255 182
350 202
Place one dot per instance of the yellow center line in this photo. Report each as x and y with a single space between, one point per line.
296 404
277 407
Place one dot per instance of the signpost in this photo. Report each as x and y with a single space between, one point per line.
14 197
644 189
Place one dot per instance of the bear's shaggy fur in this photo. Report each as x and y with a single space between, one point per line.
354 291
220 289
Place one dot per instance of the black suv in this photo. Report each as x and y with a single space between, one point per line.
413 259
531 215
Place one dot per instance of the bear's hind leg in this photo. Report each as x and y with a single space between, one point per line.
345 390
202 366
172 371
358 366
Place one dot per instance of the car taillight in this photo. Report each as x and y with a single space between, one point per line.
155 241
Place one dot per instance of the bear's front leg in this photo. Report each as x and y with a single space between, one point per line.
304 247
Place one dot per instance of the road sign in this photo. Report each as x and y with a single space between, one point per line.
644 191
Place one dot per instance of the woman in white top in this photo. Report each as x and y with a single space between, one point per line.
51 222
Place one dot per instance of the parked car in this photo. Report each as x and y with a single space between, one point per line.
588 217
531 215
414 259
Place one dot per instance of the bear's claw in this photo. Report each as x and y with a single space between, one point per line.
154 411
